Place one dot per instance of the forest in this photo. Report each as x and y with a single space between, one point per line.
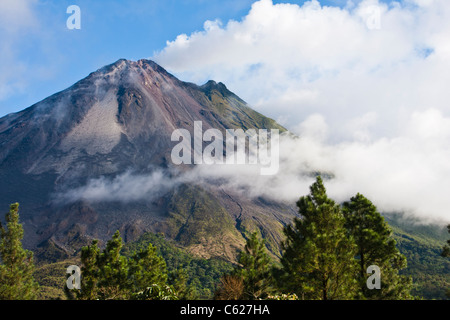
328 253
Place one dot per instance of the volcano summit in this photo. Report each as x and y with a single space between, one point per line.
75 161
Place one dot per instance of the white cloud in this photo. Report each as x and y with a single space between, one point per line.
292 61
314 127
408 173
125 187
371 103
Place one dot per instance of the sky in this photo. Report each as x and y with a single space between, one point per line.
41 56
364 83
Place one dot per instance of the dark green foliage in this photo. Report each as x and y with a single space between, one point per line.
421 244
143 265
192 277
318 259
256 269
446 254
156 292
110 275
89 271
429 271
446 250
113 271
178 279
17 267
375 246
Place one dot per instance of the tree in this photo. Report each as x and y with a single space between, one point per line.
178 279
109 275
375 246
113 268
255 270
318 259
446 254
446 249
231 288
16 270
147 268
90 273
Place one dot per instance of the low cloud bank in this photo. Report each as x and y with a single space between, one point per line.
402 174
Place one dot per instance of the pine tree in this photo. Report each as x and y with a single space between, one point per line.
107 274
375 246
255 270
178 280
318 259
16 270
104 275
147 268
113 269
90 274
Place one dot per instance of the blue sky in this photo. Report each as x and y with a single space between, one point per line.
45 57
51 57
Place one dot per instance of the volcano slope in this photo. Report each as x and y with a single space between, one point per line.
96 158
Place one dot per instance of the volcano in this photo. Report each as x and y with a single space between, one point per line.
115 124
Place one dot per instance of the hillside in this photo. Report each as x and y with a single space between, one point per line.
430 272
422 246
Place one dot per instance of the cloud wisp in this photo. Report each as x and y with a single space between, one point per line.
403 174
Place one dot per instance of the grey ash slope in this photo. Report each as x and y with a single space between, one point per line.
121 118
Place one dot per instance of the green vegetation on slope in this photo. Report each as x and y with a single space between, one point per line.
52 279
202 274
422 247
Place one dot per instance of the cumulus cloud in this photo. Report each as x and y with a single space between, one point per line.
289 61
364 85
